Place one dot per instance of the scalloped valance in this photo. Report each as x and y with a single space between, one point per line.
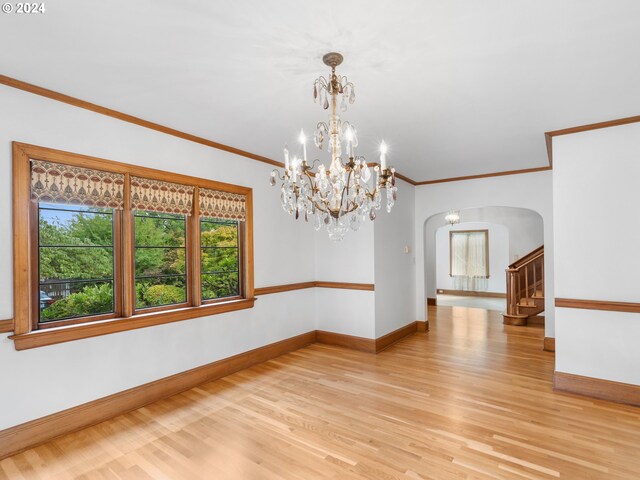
57 183
160 196
222 205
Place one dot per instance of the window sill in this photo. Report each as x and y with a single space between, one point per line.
51 336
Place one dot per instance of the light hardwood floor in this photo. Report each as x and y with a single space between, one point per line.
469 399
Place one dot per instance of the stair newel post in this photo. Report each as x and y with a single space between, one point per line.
512 286
526 280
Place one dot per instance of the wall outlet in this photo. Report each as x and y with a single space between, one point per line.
407 249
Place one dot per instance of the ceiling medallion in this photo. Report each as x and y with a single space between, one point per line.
345 194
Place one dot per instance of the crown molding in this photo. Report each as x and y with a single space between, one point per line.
548 136
125 117
484 175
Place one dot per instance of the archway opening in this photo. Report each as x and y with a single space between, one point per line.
510 232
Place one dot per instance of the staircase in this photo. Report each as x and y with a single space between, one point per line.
525 289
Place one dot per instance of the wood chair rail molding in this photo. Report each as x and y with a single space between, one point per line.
469 293
6 325
598 305
35 432
320 284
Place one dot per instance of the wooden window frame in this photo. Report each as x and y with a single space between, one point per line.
486 247
35 293
241 273
188 253
126 318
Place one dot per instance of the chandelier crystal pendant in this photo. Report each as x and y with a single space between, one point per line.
344 195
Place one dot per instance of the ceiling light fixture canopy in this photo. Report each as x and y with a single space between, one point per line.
345 194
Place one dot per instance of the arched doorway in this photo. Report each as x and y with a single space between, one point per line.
516 232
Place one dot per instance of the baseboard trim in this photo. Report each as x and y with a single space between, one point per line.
21 437
392 337
432 301
598 388
371 345
30 434
549 344
469 293
348 341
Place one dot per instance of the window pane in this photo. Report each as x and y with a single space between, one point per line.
219 259
219 234
63 300
156 292
220 285
76 263
160 265
159 230
71 225
152 261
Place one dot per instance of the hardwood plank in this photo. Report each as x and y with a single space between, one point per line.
471 399
43 429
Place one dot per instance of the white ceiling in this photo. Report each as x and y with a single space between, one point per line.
455 87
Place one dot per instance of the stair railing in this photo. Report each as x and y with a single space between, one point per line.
525 277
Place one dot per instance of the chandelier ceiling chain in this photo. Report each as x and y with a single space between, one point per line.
345 194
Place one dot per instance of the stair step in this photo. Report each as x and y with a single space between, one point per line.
528 305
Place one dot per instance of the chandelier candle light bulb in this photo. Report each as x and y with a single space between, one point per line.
286 157
383 156
303 141
344 194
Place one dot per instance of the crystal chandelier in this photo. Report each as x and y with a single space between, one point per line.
345 194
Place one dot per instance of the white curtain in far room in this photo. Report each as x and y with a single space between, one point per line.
469 260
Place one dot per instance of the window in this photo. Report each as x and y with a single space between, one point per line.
220 259
76 260
110 247
469 253
160 259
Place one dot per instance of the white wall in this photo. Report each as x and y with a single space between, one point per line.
350 312
395 269
597 234
48 379
286 251
531 191
498 236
